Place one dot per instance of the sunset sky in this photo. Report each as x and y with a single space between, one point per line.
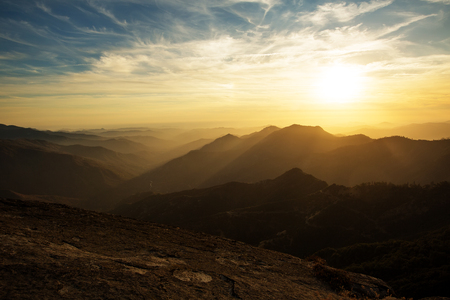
83 64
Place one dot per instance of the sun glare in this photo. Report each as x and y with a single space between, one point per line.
340 84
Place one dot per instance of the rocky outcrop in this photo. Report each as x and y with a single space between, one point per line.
51 251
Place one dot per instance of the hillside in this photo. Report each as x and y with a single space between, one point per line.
192 205
31 167
295 207
419 267
299 214
52 251
133 164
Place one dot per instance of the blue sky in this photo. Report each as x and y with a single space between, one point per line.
88 63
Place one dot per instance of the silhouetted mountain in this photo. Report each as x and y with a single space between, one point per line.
182 207
68 138
125 132
117 144
74 135
183 149
31 167
153 143
280 151
394 159
300 202
209 133
345 160
426 131
52 251
185 172
128 163
15 132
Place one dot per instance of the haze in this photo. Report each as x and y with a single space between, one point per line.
81 64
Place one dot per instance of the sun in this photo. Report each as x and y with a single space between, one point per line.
340 84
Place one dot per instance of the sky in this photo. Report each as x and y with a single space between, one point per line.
86 63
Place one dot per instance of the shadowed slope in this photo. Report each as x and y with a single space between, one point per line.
101 256
298 214
37 168
192 205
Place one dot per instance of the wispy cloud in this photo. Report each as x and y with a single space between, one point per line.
438 1
49 11
342 11
102 10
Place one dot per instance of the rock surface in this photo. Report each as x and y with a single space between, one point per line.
51 251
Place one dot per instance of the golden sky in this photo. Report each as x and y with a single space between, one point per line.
82 64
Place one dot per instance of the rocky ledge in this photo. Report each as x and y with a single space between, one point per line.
51 251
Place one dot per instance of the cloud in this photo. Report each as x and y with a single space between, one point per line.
102 10
439 1
49 11
342 11
412 19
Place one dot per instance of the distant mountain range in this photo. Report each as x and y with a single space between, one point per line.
425 131
76 165
266 154
347 160
185 172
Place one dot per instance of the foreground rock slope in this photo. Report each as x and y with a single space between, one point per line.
51 251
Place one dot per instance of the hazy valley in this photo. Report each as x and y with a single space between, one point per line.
365 203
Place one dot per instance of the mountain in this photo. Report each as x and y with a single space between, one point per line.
185 172
299 214
183 149
295 206
121 145
15 132
128 163
347 160
52 251
210 133
280 151
192 205
36 167
393 159
69 138
425 131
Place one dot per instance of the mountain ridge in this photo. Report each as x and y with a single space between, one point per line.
38 168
